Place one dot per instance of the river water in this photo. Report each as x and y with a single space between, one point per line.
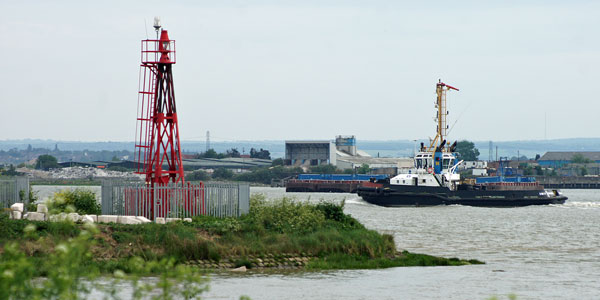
536 252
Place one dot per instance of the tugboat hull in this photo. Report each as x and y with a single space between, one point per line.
431 196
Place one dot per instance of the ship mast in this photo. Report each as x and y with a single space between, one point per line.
441 116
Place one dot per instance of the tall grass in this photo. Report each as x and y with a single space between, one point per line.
271 227
13 229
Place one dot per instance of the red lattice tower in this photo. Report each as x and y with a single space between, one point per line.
157 147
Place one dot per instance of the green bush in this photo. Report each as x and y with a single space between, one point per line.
277 162
243 262
33 197
334 213
10 229
266 174
284 215
81 201
325 169
222 173
46 162
198 175
118 168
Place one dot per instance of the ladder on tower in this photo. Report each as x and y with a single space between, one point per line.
146 95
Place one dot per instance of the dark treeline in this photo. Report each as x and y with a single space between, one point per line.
27 156
234 152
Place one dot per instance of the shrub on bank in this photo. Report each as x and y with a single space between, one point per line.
81 201
283 215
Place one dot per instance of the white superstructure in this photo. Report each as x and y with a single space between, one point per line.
422 174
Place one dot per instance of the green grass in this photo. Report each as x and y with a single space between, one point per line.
11 230
271 228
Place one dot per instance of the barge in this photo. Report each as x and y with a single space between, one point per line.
329 183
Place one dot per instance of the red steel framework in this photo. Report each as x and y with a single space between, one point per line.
158 150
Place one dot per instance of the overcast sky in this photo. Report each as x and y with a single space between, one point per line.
269 70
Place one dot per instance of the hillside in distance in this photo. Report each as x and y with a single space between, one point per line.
391 148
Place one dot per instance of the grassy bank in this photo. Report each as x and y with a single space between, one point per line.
323 232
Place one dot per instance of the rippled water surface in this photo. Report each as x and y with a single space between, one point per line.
538 252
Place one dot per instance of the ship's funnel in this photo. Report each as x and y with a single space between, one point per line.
453 147
442 144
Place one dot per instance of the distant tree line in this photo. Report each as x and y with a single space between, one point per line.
18 156
234 152
9 170
264 175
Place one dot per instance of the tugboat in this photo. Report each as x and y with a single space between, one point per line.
434 181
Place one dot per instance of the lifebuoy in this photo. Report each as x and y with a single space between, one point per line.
430 170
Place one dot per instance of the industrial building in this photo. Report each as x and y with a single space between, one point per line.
341 153
309 153
558 159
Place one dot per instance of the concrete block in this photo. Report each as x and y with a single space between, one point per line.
42 208
58 217
160 221
87 219
128 220
143 219
172 219
36 216
73 217
94 217
15 215
107 219
187 219
17 207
